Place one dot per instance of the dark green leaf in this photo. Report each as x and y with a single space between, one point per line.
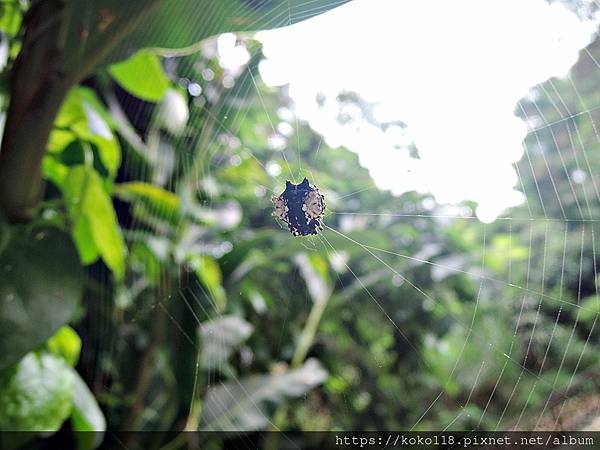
169 24
181 23
41 286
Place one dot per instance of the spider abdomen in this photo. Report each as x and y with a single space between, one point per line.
301 207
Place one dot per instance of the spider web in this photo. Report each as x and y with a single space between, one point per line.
519 361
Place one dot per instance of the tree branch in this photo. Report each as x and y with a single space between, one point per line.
38 87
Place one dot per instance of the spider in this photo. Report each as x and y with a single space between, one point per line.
301 207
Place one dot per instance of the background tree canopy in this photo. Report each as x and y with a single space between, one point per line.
145 285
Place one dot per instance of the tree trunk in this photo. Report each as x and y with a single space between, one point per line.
38 86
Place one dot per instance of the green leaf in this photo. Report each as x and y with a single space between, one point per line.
42 282
220 337
209 273
142 75
65 343
87 200
247 405
167 24
60 138
87 416
54 170
181 23
163 203
10 18
36 394
82 116
84 240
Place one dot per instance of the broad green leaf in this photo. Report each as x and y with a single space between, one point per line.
40 289
84 240
53 170
181 23
88 200
10 18
98 209
59 139
36 394
170 24
82 116
220 337
142 75
65 343
163 203
87 416
247 405
209 273
146 215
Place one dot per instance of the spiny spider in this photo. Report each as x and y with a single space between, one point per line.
301 207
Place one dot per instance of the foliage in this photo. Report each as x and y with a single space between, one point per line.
242 406
42 280
42 390
154 241
155 83
78 147
37 393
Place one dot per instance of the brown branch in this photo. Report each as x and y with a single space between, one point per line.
38 87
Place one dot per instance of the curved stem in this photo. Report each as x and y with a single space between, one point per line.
306 340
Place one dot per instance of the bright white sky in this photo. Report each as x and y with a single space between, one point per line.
453 71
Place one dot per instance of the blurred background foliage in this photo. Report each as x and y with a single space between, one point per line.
152 290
